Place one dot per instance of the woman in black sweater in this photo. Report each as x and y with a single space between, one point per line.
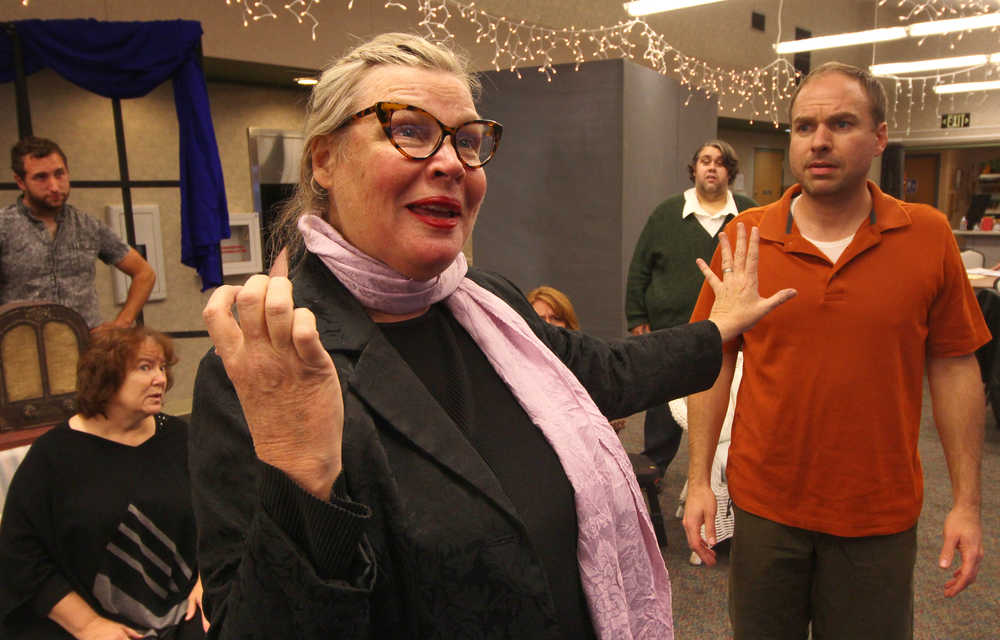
98 535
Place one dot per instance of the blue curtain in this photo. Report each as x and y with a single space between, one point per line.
128 60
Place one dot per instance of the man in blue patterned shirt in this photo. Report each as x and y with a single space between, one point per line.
48 247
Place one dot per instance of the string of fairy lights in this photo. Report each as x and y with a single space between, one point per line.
761 90
518 44
912 90
254 11
941 9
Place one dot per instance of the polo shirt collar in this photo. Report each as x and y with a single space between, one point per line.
691 205
777 224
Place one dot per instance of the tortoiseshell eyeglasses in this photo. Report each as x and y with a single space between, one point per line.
418 135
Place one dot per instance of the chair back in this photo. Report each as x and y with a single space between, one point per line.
40 346
972 259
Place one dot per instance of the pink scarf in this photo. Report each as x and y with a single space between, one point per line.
623 574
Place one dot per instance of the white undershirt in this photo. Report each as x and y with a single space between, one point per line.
710 222
832 250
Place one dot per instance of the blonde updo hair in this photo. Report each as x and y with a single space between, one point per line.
334 99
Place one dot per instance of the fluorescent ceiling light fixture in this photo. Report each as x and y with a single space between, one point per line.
306 81
841 40
916 30
892 68
936 27
646 7
962 87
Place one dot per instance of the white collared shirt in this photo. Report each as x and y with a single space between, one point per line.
710 222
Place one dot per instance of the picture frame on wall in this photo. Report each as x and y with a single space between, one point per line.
241 251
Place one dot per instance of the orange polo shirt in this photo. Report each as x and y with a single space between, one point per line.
828 413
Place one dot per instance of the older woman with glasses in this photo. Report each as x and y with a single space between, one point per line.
400 447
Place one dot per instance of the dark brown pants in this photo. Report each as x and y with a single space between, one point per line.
782 578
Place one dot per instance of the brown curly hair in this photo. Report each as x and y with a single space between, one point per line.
730 159
106 361
36 148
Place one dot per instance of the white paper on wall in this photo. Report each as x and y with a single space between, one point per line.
147 233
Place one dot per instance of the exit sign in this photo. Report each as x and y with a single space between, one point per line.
955 120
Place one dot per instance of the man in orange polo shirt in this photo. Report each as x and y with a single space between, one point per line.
823 465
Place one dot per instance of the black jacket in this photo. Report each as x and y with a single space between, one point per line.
428 546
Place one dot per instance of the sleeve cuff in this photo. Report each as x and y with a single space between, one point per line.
54 589
328 532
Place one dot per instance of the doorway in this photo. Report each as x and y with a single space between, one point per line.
920 181
768 171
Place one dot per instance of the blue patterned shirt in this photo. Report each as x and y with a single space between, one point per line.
36 266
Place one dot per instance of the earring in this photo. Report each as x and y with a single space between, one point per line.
317 189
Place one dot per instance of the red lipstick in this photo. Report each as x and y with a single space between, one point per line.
437 211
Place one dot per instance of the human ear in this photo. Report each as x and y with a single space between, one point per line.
882 137
322 161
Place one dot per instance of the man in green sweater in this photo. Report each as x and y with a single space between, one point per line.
664 281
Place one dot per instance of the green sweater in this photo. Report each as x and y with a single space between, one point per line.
664 280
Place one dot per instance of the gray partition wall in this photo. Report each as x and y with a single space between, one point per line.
583 161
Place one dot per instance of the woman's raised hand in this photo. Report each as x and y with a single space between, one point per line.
738 305
285 379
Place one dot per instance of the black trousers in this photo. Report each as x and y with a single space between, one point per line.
663 436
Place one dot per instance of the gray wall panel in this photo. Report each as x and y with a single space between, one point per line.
697 122
583 162
649 157
552 211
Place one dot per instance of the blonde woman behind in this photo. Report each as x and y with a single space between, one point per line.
553 306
